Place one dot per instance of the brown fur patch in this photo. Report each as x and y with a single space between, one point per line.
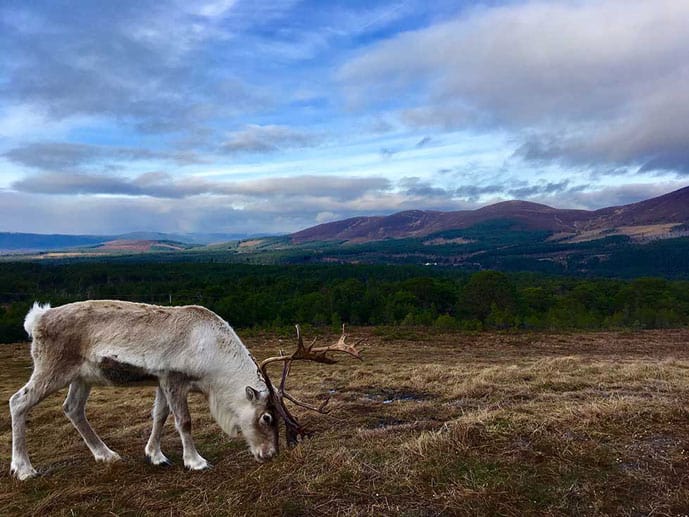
123 374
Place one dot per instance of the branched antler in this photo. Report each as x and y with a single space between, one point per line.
293 429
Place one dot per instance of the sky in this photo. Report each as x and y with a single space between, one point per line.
238 116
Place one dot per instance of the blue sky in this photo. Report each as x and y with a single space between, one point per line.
244 117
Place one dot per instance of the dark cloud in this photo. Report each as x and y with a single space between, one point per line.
162 185
423 142
522 190
474 192
76 183
540 189
386 152
266 139
66 156
419 188
655 138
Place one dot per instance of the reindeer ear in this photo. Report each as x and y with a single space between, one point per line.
252 394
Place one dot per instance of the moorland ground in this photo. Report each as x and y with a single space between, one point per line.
430 423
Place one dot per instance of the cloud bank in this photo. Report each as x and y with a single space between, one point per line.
163 185
587 83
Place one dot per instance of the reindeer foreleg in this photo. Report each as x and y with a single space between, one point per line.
176 387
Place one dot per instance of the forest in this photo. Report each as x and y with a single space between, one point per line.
259 297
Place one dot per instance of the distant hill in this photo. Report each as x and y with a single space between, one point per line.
140 246
187 238
669 209
35 241
32 242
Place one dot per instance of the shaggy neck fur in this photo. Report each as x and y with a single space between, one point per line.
227 398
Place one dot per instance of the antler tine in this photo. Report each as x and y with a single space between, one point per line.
283 358
293 429
285 373
300 341
341 346
320 409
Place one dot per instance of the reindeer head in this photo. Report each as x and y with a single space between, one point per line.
258 421
293 429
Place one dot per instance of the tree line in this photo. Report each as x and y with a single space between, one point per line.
277 296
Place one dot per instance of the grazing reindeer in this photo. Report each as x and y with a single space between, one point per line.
181 349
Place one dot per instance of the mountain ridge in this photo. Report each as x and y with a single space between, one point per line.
669 208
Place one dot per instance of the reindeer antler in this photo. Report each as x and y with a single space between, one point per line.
293 429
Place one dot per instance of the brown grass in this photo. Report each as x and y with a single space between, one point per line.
429 424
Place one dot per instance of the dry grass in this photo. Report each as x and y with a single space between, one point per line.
484 424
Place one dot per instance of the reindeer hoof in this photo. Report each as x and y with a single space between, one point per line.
159 460
23 473
108 456
197 464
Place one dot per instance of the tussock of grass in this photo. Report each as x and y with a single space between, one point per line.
477 424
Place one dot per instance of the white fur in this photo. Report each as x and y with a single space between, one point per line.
186 348
33 316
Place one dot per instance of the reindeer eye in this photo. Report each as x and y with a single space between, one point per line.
267 419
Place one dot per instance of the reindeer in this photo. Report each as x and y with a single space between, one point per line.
179 349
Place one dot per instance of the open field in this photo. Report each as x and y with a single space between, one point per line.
431 423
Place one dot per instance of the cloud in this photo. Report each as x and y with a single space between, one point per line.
583 82
387 152
265 139
157 201
65 156
655 136
163 185
280 205
543 188
474 192
417 187
423 142
24 212
142 63
558 191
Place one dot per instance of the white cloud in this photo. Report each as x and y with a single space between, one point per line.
605 80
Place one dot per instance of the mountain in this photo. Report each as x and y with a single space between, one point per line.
34 241
31 242
139 246
648 238
669 209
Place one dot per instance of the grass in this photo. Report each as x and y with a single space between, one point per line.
429 424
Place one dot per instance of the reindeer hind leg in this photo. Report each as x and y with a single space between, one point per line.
74 408
160 412
42 383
